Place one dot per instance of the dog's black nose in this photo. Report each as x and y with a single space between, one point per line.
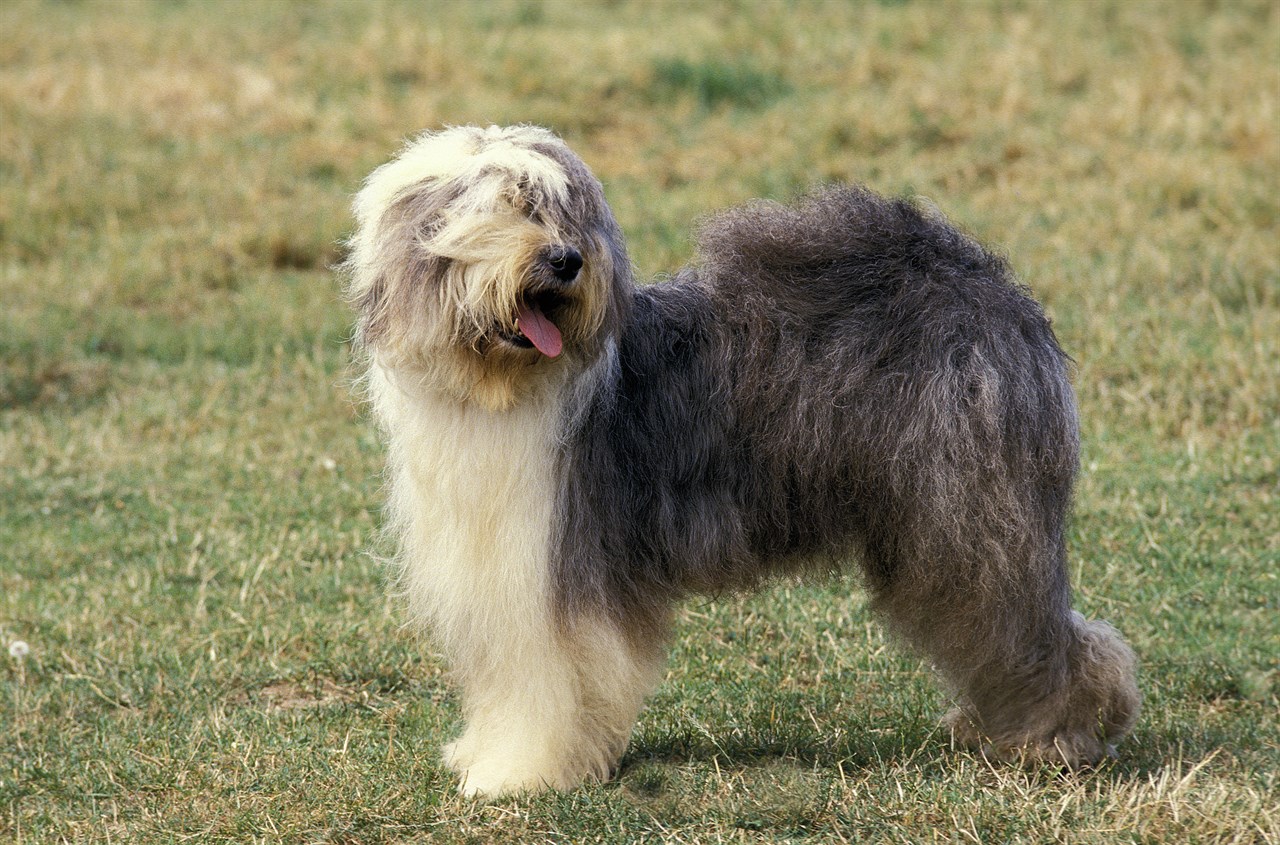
565 262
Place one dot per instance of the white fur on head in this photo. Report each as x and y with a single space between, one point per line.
451 242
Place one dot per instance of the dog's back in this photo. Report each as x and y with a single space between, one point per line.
825 373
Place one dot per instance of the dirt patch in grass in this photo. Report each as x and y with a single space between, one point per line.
295 695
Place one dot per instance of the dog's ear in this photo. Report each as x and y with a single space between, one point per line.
387 298
390 266
370 304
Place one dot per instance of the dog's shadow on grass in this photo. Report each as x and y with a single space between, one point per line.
796 743
841 751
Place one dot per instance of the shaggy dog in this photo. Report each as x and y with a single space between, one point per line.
846 379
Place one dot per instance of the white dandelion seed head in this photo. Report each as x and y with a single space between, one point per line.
18 649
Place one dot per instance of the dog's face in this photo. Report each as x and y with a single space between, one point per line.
484 261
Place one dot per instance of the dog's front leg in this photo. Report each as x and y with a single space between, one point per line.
546 705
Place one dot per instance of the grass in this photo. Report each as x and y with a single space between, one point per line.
188 493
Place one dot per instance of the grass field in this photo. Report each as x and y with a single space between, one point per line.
188 493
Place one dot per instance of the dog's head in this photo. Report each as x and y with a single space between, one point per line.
485 260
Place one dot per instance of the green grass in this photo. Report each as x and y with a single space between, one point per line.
189 494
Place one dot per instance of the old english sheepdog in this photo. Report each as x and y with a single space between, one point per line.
849 378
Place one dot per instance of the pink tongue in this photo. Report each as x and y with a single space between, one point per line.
541 332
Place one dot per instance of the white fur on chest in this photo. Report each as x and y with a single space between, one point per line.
472 497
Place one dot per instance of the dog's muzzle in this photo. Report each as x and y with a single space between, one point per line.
564 261
542 305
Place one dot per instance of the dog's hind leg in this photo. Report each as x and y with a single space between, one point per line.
966 558
1034 679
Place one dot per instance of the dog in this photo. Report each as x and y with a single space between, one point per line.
849 380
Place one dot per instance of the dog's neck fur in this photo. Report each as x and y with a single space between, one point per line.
472 490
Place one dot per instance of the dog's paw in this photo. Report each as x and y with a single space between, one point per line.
965 733
496 768
459 755
1072 748
496 779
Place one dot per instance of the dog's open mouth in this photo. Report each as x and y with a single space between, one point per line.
535 325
